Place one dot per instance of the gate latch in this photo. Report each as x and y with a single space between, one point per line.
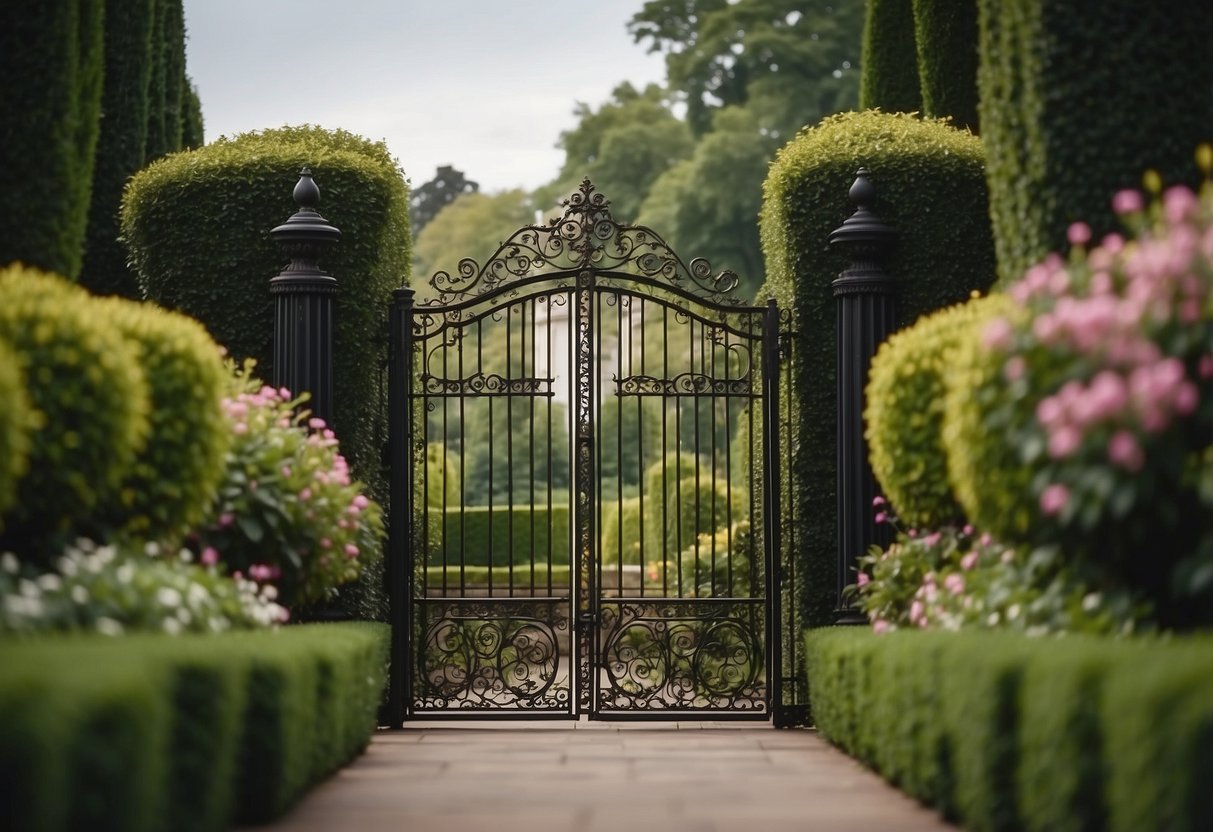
586 622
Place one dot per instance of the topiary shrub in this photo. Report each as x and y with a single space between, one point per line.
85 381
930 184
946 34
888 64
1053 157
51 59
17 421
197 224
167 88
120 145
907 385
173 481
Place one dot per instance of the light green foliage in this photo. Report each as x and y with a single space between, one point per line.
519 535
930 185
720 564
428 198
904 416
174 479
946 35
443 482
1055 156
889 78
197 227
121 144
982 456
473 225
623 147
85 381
52 61
18 420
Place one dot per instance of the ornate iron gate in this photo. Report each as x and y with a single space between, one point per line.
584 459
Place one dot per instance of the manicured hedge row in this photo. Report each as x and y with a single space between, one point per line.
1005 732
468 533
946 34
181 733
888 62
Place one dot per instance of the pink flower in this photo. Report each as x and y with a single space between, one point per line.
880 501
1179 203
881 517
305 494
284 393
969 561
286 471
1205 367
226 519
968 529
997 334
316 423
325 543
880 626
1054 498
916 612
954 583
1015 368
240 428
1064 441
863 579
361 501
1123 450
209 556
1127 202
1186 399
1079 234
351 551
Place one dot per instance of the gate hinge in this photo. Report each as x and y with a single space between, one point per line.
586 622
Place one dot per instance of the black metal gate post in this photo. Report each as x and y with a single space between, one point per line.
303 303
864 297
397 571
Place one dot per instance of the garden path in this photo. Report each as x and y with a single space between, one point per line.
604 777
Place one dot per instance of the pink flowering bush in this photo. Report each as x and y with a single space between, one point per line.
1083 417
952 578
288 512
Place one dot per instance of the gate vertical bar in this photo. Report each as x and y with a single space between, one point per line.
770 506
585 604
399 567
864 297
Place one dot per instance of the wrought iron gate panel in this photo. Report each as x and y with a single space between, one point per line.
586 519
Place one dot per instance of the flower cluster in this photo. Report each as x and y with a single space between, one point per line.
110 590
952 578
1113 357
288 511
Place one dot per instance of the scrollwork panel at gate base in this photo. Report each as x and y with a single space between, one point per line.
481 655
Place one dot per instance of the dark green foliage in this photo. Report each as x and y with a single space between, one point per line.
192 125
946 34
931 188
51 60
173 481
469 535
1077 100
146 732
427 199
1007 732
888 66
167 90
17 421
84 379
197 225
120 146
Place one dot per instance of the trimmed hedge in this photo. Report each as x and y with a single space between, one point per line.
120 146
17 422
167 86
946 34
160 733
471 530
85 381
1064 95
172 483
930 185
51 60
906 392
888 63
192 123
1007 732
197 224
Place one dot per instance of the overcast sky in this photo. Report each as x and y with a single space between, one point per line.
484 85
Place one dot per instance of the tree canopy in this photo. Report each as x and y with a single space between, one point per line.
428 199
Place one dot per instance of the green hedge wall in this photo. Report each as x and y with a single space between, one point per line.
17 423
192 123
468 533
197 224
120 146
888 63
1002 731
1077 100
930 184
167 90
946 34
181 733
51 60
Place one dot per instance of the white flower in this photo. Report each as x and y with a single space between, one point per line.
80 595
50 582
125 573
1090 602
108 627
168 597
152 549
172 626
1013 612
9 563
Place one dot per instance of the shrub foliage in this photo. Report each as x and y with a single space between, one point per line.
946 34
888 63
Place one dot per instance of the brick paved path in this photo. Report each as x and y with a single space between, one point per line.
595 776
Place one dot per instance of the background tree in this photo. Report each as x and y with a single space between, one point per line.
471 226
428 199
